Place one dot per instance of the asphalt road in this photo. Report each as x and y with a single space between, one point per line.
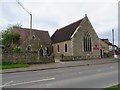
93 76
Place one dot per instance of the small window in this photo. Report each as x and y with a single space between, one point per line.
65 47
29 48
41 52
33 37
47 50
58 49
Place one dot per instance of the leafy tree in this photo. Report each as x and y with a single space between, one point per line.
9 37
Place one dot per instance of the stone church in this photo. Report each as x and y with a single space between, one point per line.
77 40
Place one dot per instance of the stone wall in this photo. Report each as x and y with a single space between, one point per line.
28 58
78 43
62 48
76 58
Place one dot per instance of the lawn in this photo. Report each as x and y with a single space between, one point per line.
9 66
115 87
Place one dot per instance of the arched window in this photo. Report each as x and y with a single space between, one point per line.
58 48
41 52
87 43
65 47
29 48
47 50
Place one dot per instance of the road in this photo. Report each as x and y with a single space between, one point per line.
92 76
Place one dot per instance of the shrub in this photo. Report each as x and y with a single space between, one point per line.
18 49
6 63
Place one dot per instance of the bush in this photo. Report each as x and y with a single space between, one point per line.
18 49
6 63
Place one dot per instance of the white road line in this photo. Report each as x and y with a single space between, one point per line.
62 62
48 79
6 84
80 72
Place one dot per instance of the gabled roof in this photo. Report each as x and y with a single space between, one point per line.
105 41
65 33
25 33
110 44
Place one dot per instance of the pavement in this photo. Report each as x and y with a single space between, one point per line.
37 67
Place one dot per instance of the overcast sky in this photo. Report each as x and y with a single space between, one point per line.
53 14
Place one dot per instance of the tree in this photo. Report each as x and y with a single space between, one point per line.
9 37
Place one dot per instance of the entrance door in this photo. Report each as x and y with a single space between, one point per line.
41 52
101 53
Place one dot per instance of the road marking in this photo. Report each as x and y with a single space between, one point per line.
6 84
48 79
80 72
62 62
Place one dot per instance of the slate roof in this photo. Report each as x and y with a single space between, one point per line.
104 40
65 33
110 44
25 33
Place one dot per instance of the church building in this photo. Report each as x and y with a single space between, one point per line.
77 40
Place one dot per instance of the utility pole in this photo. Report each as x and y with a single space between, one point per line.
113 42
28 13
30 20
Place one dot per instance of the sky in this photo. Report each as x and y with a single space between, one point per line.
50 15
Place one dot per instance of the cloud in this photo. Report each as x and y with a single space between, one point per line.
11 13
54 14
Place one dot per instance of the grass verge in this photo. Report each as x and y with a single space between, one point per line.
115 87
9 66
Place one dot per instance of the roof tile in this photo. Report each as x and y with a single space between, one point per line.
65 33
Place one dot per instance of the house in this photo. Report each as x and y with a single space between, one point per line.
117 52
77 40
108 48
115 47
34 40
104 48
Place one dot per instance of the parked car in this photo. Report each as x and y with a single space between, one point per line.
117 52
2 46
